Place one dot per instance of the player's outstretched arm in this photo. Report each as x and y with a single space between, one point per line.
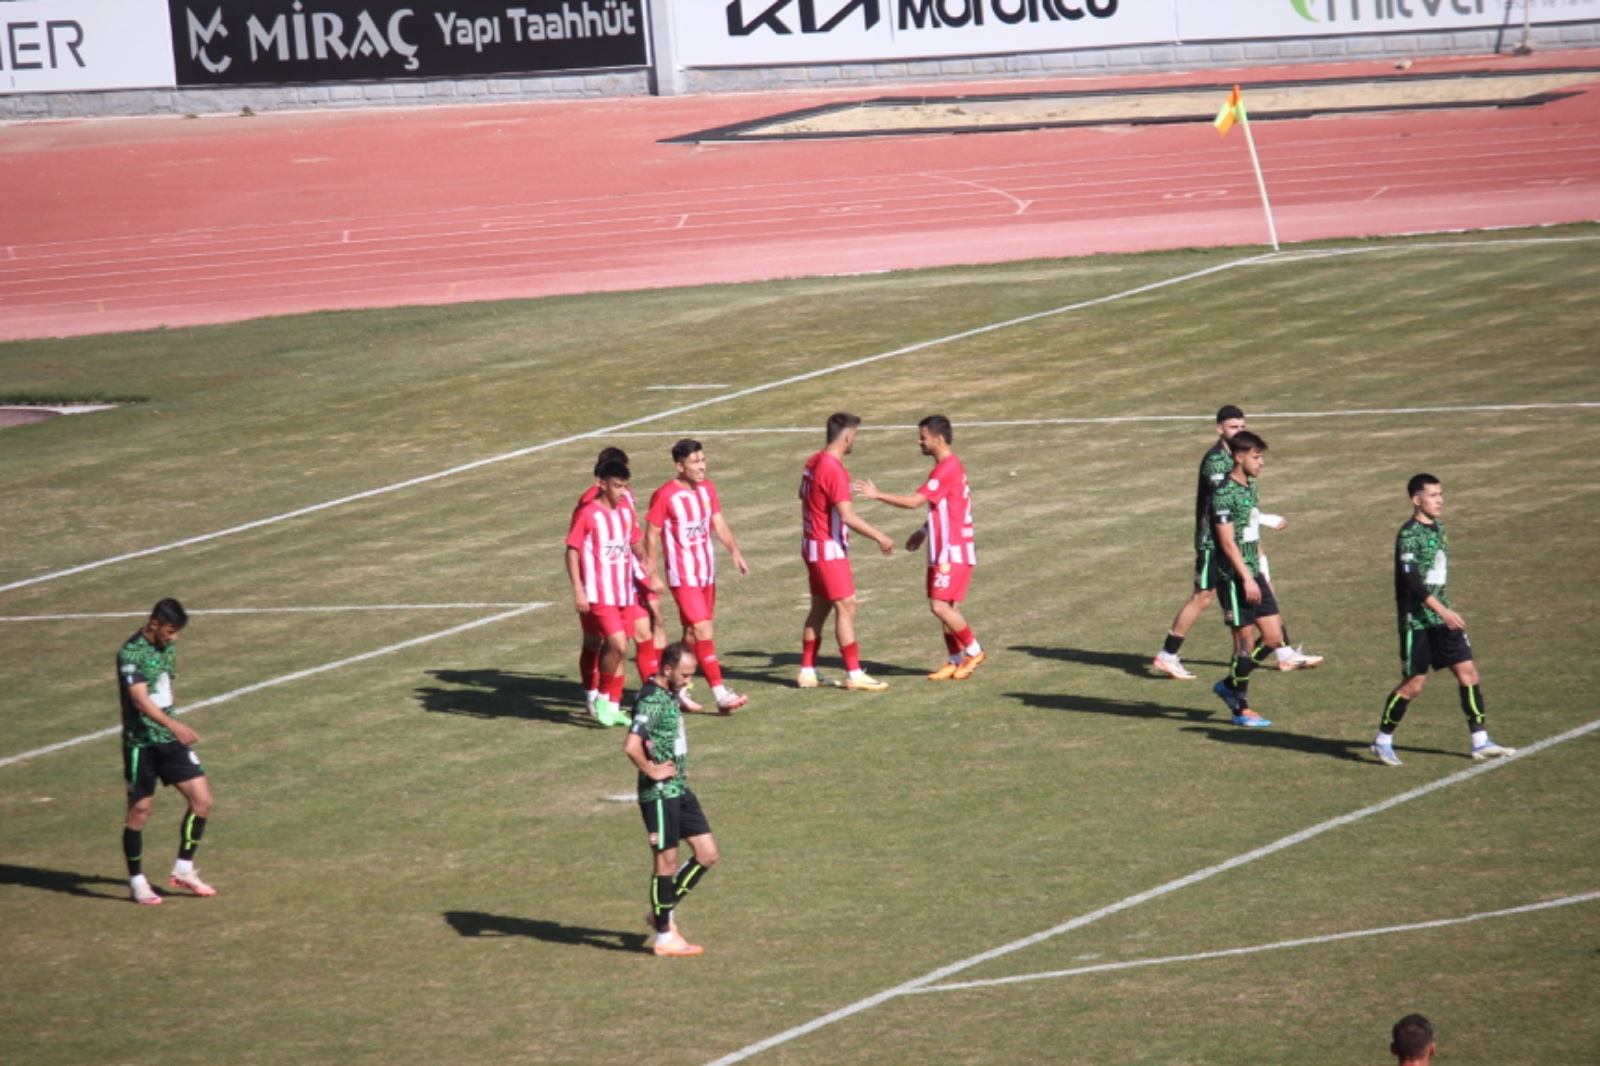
866 488
847 514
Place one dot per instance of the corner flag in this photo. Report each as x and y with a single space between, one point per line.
1232 111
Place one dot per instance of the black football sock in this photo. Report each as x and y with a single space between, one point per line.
663 897
194 827
1393 711
133 850
1172 644
1472 706
689 875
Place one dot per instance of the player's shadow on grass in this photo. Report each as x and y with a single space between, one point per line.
1284 740
504 694
62 881
1136 665
476 923
1061 701
781 667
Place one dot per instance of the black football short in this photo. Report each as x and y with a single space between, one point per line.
1434 648
1236 612
669 821
169 763
1207 575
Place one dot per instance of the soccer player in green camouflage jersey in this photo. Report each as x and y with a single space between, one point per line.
1432 635
156 746
1249 605
656 744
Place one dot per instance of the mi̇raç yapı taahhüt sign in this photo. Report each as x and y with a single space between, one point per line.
254 42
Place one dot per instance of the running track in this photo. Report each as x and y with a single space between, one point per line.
129 224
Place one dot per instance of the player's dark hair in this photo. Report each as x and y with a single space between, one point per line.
940 425
169 612
685 448
1227 413
838 423
610 468
607 455
1412 1035
673 654
1420 482
1245 441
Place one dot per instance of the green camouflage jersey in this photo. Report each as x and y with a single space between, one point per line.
140 661
1215 466
1420 551
1238 504
659 720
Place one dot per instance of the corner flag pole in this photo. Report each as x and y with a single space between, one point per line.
1233 111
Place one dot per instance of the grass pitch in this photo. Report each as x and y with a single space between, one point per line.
420 855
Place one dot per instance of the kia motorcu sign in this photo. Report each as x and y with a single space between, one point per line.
1208 20
247 42
53 46
720 33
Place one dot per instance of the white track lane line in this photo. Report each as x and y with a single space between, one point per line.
617 428
1330 938
272 610
285 679
1130 902
1119 419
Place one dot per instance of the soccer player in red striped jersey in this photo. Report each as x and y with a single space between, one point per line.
684 514
644 618
952 552
826 515
600 565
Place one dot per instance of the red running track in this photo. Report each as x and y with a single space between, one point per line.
130 224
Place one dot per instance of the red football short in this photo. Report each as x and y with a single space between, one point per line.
603 619
949 581
696 603
831 579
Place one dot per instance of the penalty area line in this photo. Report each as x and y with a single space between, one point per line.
920 983
285 679
274 610
1110 420
1202 956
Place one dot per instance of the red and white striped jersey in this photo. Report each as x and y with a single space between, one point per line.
949 525
684 517
604 540
588 497
824 485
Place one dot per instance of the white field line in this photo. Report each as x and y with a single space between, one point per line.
1118 419
285 679
1330 938
620 426
921 983
273 610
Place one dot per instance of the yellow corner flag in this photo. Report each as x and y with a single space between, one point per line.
1232 111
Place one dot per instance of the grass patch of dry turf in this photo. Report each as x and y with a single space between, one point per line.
420 855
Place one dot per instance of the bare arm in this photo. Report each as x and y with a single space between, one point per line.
911 502
847 514
633 748
724 532
580 602
1230 551
139 692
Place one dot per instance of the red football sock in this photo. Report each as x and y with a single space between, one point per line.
808 654
706 650
852 656
649 661
589 669
611 687
965 639
951 644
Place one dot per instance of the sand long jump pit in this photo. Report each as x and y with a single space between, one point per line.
903 116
